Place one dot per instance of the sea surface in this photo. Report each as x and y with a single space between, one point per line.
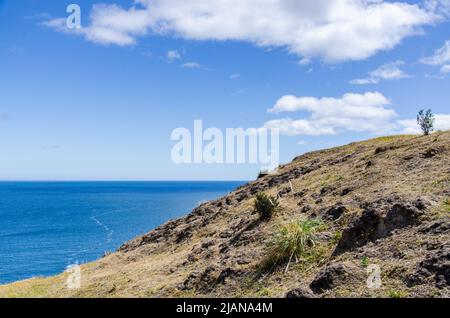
47 226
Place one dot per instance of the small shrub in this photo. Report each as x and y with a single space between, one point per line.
365 261
425 119
292 240
265 205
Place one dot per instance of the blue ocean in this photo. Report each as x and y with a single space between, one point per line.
47 226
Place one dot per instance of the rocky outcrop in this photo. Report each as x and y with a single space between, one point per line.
332 276
435 267
378 220
300 293
334 213
206 280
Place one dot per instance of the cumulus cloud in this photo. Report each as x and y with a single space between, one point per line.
388 72
440 57
409 126
369 104
367 112
333 30
109 24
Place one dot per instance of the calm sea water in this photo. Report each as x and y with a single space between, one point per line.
47 226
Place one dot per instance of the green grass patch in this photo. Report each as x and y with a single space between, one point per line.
293 241
330 179
263 292
398 294
364 261
336 237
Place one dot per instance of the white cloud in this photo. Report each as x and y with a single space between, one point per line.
173 55
328 116
409 126
235 76
388 72
290 127
304 61
440 57
445 69
109 24
56 23
333 30
356 105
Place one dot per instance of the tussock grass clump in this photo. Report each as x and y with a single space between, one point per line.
293 240
265 205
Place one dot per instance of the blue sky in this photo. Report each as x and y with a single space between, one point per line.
100 103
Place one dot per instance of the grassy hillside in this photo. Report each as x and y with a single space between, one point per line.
382 202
